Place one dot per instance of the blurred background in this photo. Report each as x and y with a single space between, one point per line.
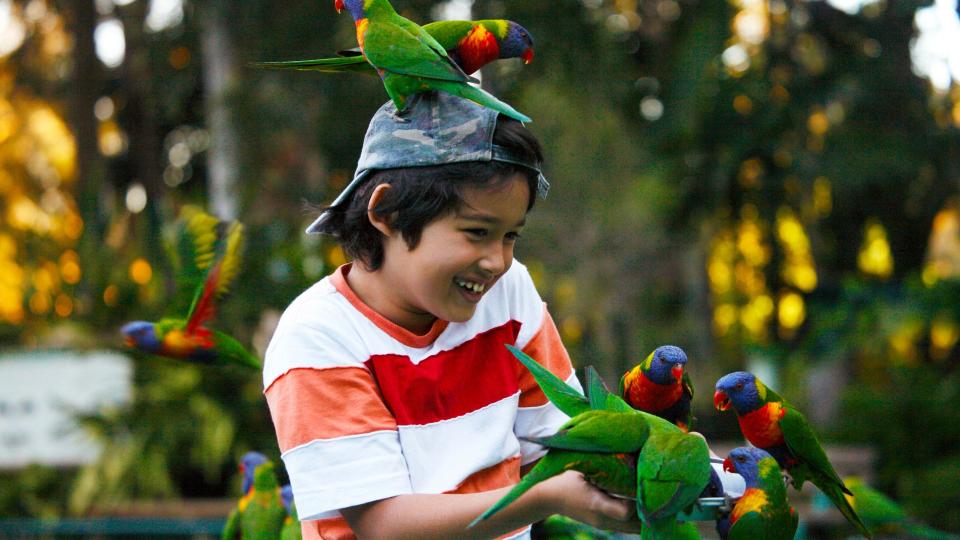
770 184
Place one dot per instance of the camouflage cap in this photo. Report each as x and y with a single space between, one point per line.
436 128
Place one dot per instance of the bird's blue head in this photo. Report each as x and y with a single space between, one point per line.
141 335
741 390
355 7
248 464
750 463
517 44
665 365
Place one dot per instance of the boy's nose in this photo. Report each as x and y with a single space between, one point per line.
495 259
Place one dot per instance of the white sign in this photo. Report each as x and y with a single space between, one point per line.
40 394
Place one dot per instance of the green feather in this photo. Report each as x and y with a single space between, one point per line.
563 396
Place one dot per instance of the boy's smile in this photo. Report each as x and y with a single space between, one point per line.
460 256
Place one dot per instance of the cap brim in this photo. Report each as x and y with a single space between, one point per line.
319 225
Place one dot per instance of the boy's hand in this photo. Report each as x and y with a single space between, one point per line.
571 495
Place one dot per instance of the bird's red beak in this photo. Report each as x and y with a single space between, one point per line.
338 5
728 465
721 401
129 342
527 54
677 371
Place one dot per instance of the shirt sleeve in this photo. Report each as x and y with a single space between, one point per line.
537 417
337 438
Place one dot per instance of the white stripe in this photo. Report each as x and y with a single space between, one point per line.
327 475
321 329
440 456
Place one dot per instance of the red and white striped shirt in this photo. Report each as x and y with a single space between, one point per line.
366 410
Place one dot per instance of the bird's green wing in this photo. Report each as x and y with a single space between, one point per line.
672 469
191 242
218 279
600 431
390 47
565 397
231 530
803 442
601 398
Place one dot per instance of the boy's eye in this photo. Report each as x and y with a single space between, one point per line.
477 233
513 236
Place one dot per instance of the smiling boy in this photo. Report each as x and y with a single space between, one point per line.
398 410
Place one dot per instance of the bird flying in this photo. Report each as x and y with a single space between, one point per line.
207 262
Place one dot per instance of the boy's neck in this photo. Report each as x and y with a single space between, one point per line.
374 291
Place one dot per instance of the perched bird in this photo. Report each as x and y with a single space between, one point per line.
668 468
772 424
409 60
291 524
882 515
207 263
600 444
260 513
660 385
470 44
248 464
673 469
763 510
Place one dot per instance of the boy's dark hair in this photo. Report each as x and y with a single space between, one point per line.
419 195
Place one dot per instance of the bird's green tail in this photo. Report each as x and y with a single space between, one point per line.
480 97
337 64
544 469
918 530
834 492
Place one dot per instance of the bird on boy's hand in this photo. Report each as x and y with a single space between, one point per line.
291 524
883 515
206 261
660 385
772 424
470 44
763 510
673 469
259 514
409 60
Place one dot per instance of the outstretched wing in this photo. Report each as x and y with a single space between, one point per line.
218 280
191 243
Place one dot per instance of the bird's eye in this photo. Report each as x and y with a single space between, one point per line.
739 386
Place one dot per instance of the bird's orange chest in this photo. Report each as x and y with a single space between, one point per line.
752 500
477 48
762 426
362 31
649 396
180 343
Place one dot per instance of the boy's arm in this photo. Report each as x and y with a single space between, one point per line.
419 516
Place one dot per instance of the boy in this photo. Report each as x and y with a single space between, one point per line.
398 410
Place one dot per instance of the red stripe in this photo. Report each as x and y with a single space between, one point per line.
452 383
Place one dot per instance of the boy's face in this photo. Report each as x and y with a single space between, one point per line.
459 257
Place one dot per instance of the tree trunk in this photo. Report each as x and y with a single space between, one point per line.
219 79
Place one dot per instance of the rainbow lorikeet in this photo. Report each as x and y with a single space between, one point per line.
260 513
291 524
770 423
409 60
248 464
673 469
660 385
207 263
763 510
883 515
470 44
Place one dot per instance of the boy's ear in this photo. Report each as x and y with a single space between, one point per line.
380 223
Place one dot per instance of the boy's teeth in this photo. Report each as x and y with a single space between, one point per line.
475 287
